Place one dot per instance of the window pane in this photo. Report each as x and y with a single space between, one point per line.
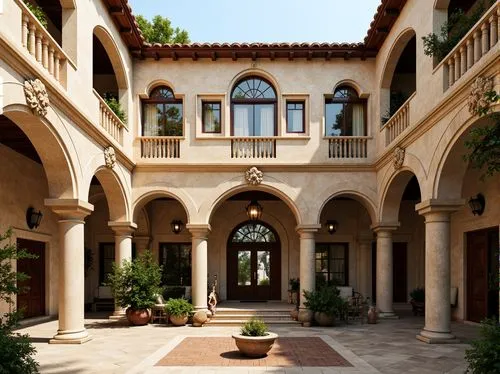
151 119
264 120
253 88
173 116
244 268
211 117
334 117
176 261
243 120
295 117
331 263
263 268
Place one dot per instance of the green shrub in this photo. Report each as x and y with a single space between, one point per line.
254 327
136 283
418 294
16 350
178 307
325 300
115 107
37 12
484 356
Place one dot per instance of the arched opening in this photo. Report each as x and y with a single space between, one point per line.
162 113
408 252
253 262
345 113
253 108
399 79
239 246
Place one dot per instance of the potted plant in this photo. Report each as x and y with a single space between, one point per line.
254 340
326 304
417 301
178 311
134 285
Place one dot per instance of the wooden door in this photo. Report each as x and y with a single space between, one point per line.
477 275
32 301
399 273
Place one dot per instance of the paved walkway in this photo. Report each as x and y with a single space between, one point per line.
388 347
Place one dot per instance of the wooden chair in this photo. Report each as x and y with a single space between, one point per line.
356 308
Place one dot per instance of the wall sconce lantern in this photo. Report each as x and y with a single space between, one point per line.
331 226
176 225
477 204
33 218
254 210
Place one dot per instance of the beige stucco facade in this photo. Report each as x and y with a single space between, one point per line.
142 194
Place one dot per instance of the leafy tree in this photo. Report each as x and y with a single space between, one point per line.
16 350
161 30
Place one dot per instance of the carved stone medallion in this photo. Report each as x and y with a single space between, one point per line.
398 157
110 157
254 176
477 100
37 97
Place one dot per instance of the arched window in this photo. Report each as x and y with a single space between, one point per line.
253 233
345 113
253 108
162 113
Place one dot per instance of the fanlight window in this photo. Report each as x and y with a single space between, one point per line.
162 113
345 113
253 107
253 233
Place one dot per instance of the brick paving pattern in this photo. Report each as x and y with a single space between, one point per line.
286 352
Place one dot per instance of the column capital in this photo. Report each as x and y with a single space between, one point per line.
308 228
70 209
122 227
199 229
385 226
438 206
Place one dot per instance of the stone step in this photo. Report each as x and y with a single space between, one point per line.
249 317
239 322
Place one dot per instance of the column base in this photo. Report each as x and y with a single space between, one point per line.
71 337
431 337
387 315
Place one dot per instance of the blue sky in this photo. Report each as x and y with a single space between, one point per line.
265 20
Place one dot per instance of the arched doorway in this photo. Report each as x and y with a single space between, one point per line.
253 262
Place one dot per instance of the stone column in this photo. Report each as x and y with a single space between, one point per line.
307 267
384 291
199 269
437 327
71 214
141 244
365 267
123 250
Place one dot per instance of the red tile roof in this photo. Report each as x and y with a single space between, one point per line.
386 15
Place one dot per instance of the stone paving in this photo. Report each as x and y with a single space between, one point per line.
388 347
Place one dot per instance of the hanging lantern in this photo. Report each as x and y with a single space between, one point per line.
254 210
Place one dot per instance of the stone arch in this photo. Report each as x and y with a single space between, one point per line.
392 194
448 168
207 210
61 173
113 52
141 201
360 197
393 56
362 92
259 73
152 85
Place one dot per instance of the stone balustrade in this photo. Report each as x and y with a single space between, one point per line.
480 39
109 121
348 147
253 147
157 147
398 122
42 46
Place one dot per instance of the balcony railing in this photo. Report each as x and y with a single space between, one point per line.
474 45
161 146
109 121
348 147
40 44
398 122
253 147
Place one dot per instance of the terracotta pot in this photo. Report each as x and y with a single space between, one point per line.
324 319
294 313
372 316
138 317
178 320
305 316
255 346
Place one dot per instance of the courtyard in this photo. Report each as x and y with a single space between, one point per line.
387 347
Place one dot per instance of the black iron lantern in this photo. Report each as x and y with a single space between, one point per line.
33 218
254 210
477 204
331 226
177 226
